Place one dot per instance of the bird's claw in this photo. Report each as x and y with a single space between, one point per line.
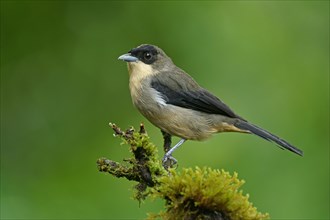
169 161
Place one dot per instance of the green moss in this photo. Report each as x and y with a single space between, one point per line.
190 194
204 194
144 166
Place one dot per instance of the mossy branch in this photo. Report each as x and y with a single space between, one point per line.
200 193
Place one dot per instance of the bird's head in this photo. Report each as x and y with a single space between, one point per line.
146 57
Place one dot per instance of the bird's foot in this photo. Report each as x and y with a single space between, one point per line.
169 161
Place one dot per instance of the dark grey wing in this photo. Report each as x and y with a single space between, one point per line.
198 99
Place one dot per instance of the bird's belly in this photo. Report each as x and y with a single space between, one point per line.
180 122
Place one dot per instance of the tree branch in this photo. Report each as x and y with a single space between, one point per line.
190 194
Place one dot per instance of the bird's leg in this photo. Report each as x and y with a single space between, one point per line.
167 141
168 160
167 146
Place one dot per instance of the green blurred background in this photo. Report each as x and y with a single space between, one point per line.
61 84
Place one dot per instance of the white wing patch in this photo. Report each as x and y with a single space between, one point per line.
157 96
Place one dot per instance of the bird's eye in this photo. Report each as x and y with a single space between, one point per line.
147 55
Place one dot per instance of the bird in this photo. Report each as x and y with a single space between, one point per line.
175 103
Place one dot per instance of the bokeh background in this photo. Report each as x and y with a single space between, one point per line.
61 84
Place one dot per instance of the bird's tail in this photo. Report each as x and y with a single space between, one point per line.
244 125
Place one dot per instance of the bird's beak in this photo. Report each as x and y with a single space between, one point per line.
128 58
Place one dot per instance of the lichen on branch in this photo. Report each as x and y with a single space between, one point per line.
200 193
